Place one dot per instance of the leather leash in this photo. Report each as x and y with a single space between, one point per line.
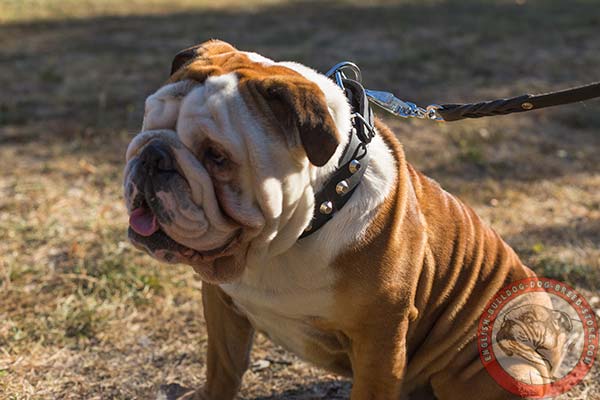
526 102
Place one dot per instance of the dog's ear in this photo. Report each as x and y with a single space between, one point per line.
206 49
299 107
183 57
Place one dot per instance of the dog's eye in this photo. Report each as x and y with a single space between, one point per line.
215 156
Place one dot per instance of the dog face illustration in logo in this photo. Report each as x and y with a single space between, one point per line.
533 332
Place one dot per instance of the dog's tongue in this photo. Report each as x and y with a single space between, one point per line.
143 222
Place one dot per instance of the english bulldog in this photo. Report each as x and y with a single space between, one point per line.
223 177
532 332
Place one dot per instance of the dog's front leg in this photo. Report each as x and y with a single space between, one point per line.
230 337
378 362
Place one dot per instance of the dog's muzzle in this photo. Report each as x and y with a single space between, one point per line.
155 167
164 218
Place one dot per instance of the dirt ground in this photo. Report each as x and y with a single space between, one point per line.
84 315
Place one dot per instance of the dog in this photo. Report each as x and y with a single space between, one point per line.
223 177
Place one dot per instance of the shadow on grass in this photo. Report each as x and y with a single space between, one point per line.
67 80
419 45
331 390
326 389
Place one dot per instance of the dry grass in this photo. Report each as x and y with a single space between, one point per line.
83 315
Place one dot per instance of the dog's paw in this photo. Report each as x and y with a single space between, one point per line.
174 391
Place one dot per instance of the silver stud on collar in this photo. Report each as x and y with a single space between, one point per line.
342 188
354 166
308 228
326 207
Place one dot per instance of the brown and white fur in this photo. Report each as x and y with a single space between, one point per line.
388 292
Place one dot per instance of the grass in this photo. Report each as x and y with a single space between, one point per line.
53 10
84 315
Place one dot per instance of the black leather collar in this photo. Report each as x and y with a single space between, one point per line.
353 163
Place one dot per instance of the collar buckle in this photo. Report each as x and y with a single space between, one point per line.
368 132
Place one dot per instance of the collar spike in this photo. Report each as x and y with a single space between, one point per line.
342 188
326 207
354 166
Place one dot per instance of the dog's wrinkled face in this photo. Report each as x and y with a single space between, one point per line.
221 173
534 332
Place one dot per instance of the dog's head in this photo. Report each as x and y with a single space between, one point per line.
535 333
223 170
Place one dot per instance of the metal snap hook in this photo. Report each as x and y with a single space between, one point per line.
345 65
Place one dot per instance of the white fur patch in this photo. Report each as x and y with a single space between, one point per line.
257 58
162 107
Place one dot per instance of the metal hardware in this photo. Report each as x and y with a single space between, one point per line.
368 128
401 108
326 207
354 166
344 65
385 100
342 188
527 106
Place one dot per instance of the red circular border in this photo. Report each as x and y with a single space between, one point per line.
515 386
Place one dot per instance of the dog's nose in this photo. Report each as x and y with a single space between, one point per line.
157 156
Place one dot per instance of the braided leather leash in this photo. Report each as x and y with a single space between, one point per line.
527 102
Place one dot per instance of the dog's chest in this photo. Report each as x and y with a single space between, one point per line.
286 302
